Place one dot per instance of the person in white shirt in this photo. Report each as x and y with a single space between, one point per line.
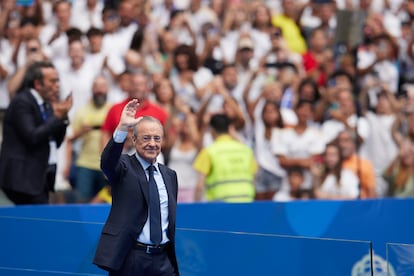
119 27
331 180
345 117
53 36
86 14
381 121
267 128
76 76
106 63
298 146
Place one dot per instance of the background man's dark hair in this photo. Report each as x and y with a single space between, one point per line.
34 72
220 123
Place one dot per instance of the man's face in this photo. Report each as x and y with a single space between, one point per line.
230 77
49 88
346 101
139 87
110 21
63 11
304 113
346 144
100 92
126 13
148 140
95 43
76 53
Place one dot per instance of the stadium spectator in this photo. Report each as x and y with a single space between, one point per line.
380 121
331 179
318 59
268 179
86 127
226 168
187 77
345 116
53 35
288 21
138 89
105 63
203 47
34 53
184 146
293 187
299 145
86 14
362 167
400 173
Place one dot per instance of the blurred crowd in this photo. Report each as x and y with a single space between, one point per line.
322 91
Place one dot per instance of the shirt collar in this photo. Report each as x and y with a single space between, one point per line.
144 163
37 96
224 137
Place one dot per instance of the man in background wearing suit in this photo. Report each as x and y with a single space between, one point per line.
34 127
139 235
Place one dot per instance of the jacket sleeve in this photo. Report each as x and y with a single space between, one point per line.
27 119
110 160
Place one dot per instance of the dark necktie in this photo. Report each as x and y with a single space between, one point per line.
154 207
46 110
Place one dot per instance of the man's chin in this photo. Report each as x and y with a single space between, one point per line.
151 156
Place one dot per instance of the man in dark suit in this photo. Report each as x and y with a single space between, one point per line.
139 235
34 127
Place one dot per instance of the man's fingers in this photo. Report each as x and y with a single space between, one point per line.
133 103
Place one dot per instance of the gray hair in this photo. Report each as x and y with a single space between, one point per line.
147 119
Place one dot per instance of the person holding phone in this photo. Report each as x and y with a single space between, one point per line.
33 53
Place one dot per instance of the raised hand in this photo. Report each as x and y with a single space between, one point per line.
128 119
61 108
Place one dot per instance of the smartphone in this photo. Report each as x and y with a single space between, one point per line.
68 96
321 1
24 3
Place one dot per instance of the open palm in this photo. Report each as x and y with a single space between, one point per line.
128 119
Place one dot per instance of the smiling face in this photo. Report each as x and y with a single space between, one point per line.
332 156
148 138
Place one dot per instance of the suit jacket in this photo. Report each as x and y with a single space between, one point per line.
129 209
25 150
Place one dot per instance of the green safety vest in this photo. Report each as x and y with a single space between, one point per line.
231 177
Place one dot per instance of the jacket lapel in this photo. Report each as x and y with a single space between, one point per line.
35 106
170 190
143 184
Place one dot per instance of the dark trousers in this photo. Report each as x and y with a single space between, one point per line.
22 198
19 198
140 263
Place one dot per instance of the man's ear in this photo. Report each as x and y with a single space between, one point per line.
36 84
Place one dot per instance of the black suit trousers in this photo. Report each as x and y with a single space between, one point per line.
140 263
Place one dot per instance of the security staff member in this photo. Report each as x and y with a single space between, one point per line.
226 168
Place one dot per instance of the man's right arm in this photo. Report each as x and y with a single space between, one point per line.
113 150
110 159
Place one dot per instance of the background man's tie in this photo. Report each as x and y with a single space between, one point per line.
154 207
46 110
